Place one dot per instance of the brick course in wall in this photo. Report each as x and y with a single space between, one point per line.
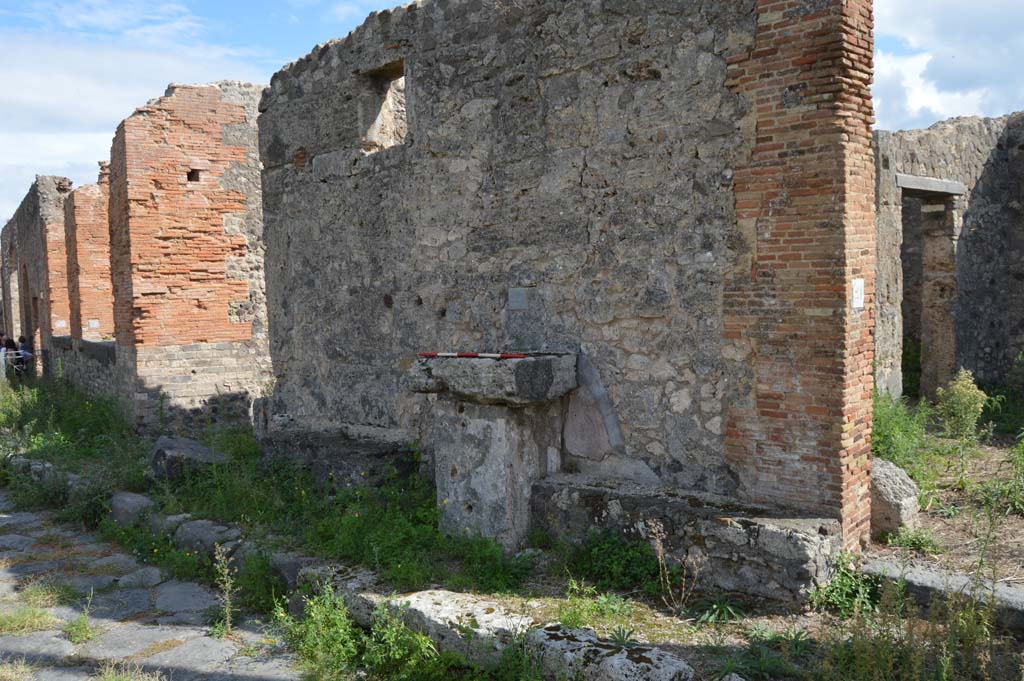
186 254
88 260
800 435
178 290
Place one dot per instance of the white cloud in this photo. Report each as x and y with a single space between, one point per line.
348 11
63 93
961 58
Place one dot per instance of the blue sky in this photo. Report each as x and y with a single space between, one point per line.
70 70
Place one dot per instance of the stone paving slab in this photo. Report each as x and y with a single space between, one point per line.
138 615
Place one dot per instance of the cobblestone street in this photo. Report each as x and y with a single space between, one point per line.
138 617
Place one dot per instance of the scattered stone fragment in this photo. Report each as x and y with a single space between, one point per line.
44 646
204 536
129 640
15 541
197 653
580 652
118 563
128 509
175 457
894 499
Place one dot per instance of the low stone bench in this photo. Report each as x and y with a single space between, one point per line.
739 548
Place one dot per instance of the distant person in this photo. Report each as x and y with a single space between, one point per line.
11 359
24 348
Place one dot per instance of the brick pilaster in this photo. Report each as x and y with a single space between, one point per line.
800 433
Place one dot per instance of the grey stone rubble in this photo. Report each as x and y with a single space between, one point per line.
894 503
445 616
928 584
140 617
174 457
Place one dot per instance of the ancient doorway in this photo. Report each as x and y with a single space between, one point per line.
932 218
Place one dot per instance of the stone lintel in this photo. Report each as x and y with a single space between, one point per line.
928 187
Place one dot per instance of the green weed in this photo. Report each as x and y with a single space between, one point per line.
718 610
921 540
612 563
849 592
960 405
585 606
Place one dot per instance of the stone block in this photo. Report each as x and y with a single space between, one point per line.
204 536
580 653
486 459
740 548
175 457
894 502
129 509
514 382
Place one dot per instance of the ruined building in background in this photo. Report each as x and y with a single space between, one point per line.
671 208
950 253
162 259
35 289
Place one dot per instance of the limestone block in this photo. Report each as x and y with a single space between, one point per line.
204 535
515 382
592 426
174 457
486 460
128 509
580 652
894 501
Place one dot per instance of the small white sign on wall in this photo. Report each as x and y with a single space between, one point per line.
858 294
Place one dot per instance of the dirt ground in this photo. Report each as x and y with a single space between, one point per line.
965 529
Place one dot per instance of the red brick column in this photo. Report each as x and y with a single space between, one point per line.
169 244
800 433
88 248
57 309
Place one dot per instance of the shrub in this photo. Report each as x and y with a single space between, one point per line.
849 592
900 431
612 563
326 640
921 540
960 405
397 653
585 606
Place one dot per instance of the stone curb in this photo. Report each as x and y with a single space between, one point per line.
472 626
928 585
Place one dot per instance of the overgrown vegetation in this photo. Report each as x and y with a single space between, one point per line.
54 422
960 405
391 528
585 606
850 592
331 647
612 563
920 539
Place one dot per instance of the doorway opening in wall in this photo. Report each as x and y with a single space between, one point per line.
931 231
386 108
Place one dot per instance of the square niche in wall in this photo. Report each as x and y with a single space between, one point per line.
390 126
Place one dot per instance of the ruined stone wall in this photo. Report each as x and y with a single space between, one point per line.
36 233
186 253
9 278
565 184
88 249
976 152
622 180
88 365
